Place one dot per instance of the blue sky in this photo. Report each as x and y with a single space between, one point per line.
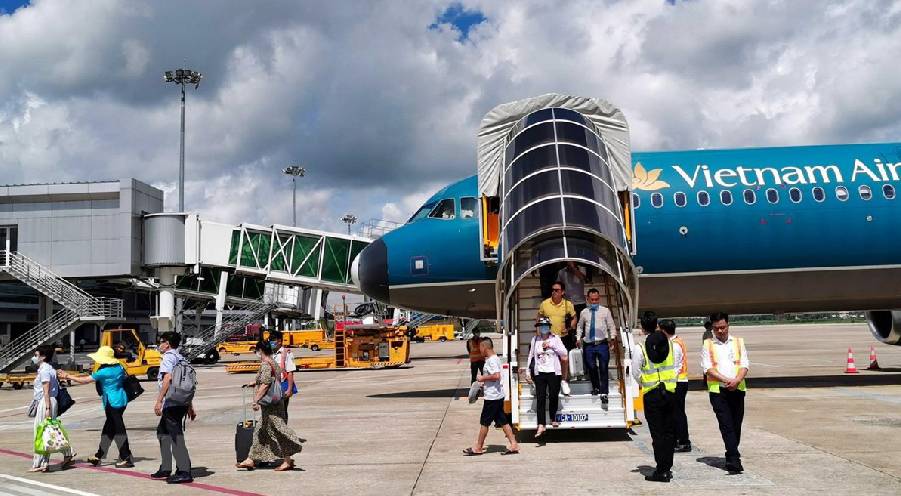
10 6
459 17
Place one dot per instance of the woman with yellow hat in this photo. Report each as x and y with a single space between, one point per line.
110 377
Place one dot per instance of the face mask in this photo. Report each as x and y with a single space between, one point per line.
544 331
35 360
273 344
594 306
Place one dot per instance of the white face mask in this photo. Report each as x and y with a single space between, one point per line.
544 331
35 359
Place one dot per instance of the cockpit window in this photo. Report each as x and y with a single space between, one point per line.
422 213
468 208
444 210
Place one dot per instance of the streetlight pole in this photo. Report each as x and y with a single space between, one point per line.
294 171
182 77
349 219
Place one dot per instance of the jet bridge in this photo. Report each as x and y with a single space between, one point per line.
558 170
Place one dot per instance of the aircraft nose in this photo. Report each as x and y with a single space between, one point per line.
370 271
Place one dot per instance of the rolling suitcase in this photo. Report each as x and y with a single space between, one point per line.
576 363
244 431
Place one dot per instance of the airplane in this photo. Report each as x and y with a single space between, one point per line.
753 230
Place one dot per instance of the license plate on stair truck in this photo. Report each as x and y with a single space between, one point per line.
572 417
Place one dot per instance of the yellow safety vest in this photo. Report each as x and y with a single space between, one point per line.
714 386
683 372
654 374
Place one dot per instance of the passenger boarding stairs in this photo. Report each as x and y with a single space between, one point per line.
212 336
580 406
78 306
468 327
418 319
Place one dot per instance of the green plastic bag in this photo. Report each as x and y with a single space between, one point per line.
51 437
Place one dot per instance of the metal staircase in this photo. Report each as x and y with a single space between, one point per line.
418 319
210 337
78 307
468 327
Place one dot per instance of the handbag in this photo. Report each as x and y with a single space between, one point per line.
533 359
33 409
273 394
51 437
64 401
132 387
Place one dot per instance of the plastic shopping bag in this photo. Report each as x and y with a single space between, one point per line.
51 437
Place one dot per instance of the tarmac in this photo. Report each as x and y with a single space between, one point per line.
809 428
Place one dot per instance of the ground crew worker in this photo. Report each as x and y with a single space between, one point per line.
476 360
724 360
653 366
683 444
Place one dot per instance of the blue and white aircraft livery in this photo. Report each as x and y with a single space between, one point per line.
757 230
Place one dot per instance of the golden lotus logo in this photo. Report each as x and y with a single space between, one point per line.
647 180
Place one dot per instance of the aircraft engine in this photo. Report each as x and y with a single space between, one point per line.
885 325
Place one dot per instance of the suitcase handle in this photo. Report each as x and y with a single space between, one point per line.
248 422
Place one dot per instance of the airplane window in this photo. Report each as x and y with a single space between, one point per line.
726 197
422 213
841 193
865 192
657 200
636 201
772 196
679 198
468 208
888 191
444 210
795 195
703 198
818 194
750 196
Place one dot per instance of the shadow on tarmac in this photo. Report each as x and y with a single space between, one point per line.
644 470
433 393
442 357
817 381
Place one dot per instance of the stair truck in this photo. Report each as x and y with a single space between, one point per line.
555 176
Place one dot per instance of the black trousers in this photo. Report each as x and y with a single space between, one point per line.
547 387
658 411
114 430
476 367
171 435
680 418
729 407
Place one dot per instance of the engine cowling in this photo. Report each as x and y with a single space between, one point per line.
885 325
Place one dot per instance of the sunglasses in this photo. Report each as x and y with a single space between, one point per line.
557 290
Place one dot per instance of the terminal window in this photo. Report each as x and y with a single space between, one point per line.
9 234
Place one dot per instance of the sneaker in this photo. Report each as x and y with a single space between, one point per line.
160 474
564 388
659 477
93 460
683 448
180 478
734 467
127 463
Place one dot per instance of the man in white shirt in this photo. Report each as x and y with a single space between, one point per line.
493 407
596 332
285 360
724 360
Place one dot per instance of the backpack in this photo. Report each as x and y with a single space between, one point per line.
183 384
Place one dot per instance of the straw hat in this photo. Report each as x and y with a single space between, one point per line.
104 356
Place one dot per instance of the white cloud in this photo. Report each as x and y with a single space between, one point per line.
383 110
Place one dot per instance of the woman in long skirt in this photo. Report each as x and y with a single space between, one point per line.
272 438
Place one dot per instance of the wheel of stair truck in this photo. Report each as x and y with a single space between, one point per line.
17 385
152 372
211 358
314 347
442 339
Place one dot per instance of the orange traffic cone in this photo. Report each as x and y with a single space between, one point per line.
874 364
851 368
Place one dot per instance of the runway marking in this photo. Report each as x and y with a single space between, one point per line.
45 485
131 473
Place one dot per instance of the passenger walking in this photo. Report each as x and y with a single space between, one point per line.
653 366
476 360
574 281
724 360
596 332
272 439
683 443
493 403
110 378
562 316
44 404
172 410
546 363
285 360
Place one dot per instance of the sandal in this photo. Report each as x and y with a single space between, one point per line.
540 431
246 466
471 452
93 460
510 452
41 469
68 462
284 467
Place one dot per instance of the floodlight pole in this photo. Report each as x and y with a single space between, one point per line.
181 154
349 219
294 171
